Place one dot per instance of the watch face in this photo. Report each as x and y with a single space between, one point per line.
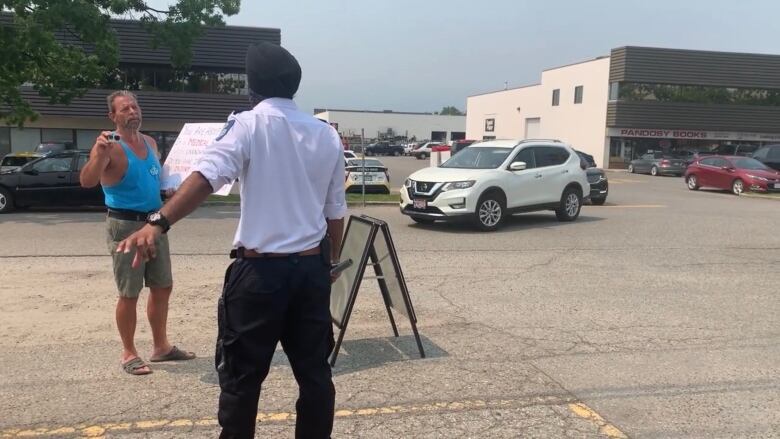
154 216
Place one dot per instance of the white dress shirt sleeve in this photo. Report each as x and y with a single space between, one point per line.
223 160
335 202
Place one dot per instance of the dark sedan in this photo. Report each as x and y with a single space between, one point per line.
769 155
49 181
599 186
658 163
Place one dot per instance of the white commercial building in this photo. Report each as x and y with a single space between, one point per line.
421 126
570 104
640 99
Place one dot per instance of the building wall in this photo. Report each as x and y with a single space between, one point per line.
581 125
419 125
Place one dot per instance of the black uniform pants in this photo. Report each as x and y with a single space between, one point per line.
266 301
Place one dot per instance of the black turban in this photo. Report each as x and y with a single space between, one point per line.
272 72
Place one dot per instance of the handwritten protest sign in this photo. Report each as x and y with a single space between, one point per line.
192 141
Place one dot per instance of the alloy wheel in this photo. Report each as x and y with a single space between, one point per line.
692 182
490 213
738 187
572 204
3 201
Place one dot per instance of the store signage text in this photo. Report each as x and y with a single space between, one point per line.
667 134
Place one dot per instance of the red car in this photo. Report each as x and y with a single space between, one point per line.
734 173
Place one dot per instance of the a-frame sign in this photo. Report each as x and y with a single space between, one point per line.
367 242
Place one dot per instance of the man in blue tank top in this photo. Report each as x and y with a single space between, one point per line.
125 162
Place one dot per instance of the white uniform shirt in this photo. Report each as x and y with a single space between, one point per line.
291 169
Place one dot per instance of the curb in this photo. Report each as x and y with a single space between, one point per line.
350 204
766 197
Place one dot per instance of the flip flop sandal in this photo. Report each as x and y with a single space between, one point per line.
175 354
134 366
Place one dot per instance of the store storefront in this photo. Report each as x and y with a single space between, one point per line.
626 144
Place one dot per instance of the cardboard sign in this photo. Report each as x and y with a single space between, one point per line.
192 141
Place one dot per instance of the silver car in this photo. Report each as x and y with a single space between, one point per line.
658 163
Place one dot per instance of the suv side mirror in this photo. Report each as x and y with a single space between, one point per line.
518 166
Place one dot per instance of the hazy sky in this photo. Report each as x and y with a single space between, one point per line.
421 55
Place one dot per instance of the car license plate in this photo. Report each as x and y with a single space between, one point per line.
368 178
420 204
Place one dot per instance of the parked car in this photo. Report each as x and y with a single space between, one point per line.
458 145
349 154
589 160
47 147
16 160
384 148
599 186
743 150
377 177
769 155
735 173
424 151
658 163
487 182
52 180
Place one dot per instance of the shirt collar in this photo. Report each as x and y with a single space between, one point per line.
276 103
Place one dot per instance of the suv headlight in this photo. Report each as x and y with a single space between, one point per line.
408 182
458 185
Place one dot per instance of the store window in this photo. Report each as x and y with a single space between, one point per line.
25 139
86 138
556 97
5 141
614 91
578 90
697 94
56 135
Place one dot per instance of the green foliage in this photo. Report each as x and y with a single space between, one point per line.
64 47
450 111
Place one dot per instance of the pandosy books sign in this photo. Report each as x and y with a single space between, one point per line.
192 141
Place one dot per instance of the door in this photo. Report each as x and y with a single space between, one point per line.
524 187
644 163
533 127
46 181
706 172
722 173
551 162
80 195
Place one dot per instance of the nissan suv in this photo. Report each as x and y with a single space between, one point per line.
487 182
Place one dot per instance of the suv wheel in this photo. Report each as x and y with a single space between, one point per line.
6 201
571 203
396 153
490 212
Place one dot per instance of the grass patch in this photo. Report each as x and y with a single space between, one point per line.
358 198
351 198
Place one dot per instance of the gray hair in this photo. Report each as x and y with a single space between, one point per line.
116 94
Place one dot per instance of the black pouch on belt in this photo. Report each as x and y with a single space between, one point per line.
325 250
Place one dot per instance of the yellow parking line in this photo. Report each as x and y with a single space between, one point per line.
605 427
634 206
100 430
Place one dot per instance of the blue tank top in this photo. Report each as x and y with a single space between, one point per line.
139 189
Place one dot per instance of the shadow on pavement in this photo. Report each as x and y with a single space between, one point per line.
512 224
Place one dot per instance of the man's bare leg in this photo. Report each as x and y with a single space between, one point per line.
126 322
157 312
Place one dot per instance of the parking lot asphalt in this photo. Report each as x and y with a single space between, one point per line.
653 316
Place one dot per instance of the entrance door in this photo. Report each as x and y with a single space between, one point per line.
533 128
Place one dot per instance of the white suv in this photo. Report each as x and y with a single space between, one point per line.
486 182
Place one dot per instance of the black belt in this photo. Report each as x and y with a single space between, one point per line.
128 215
245 253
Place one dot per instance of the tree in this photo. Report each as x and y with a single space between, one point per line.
450 111
64 47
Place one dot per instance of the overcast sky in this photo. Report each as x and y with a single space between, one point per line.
420 55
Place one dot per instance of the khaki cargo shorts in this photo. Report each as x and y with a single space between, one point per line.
156 273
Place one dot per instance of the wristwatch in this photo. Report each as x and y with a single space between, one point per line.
158 219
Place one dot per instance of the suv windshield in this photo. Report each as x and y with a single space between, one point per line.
478 158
